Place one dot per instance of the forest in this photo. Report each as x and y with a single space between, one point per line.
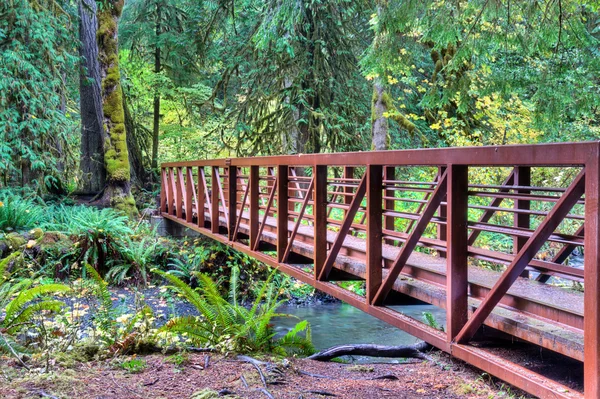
96 94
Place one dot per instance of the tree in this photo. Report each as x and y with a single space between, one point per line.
117 192
480 72
35 59
290 80
92 119
155 31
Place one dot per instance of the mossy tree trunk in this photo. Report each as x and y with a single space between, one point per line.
379 121
117 193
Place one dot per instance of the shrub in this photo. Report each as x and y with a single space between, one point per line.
18 213
96 232
138 257
227 325
21 302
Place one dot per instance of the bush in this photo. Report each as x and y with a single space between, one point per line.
96 232
17 213
229 326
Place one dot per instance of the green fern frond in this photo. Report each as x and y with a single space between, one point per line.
27 314
16 305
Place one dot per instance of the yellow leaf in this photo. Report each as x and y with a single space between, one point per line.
30 244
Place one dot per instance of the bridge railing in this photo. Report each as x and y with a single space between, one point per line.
520 210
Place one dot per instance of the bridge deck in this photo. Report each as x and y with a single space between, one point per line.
332 217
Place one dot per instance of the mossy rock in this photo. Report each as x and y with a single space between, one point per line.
205 394
36 233
13 241
54 238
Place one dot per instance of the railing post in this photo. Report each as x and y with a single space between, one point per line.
457 267
374 232
214 200
232 200
163 190
200 198
591 331
390 205
171 190
522 178
282 211
179 194
189 194
442 213
253 182
320 217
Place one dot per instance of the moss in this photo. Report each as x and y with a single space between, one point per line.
125 204
14 240
36 233
205 394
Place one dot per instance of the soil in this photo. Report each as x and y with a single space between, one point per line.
162 379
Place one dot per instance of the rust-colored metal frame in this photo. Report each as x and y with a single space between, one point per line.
449 194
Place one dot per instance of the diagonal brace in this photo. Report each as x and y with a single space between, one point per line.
525 255
346 224
413 239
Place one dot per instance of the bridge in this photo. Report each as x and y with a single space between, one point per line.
497 257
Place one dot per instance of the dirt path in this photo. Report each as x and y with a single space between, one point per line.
162 379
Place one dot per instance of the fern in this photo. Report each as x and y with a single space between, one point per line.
229 325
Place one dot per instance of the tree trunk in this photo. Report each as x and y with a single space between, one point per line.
157 67
116 158
412 351
92 131
136 158
379 122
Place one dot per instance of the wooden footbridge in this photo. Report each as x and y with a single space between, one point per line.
496 256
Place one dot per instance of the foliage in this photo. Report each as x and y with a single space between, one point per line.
138 257
134 365
229 326
37 52
21 302
480 72
96 232
17 212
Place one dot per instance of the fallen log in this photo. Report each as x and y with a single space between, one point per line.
406 351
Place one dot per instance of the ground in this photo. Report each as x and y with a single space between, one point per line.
162 377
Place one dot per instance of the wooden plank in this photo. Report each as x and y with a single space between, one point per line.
190 193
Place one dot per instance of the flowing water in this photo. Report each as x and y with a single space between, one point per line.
339 323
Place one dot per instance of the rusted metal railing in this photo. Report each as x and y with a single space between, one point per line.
362 216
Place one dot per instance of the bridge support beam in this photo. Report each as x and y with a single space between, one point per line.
282 210
591 332
320 216
522 177
456 263
374 231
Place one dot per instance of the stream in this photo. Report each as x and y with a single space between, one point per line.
339 323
